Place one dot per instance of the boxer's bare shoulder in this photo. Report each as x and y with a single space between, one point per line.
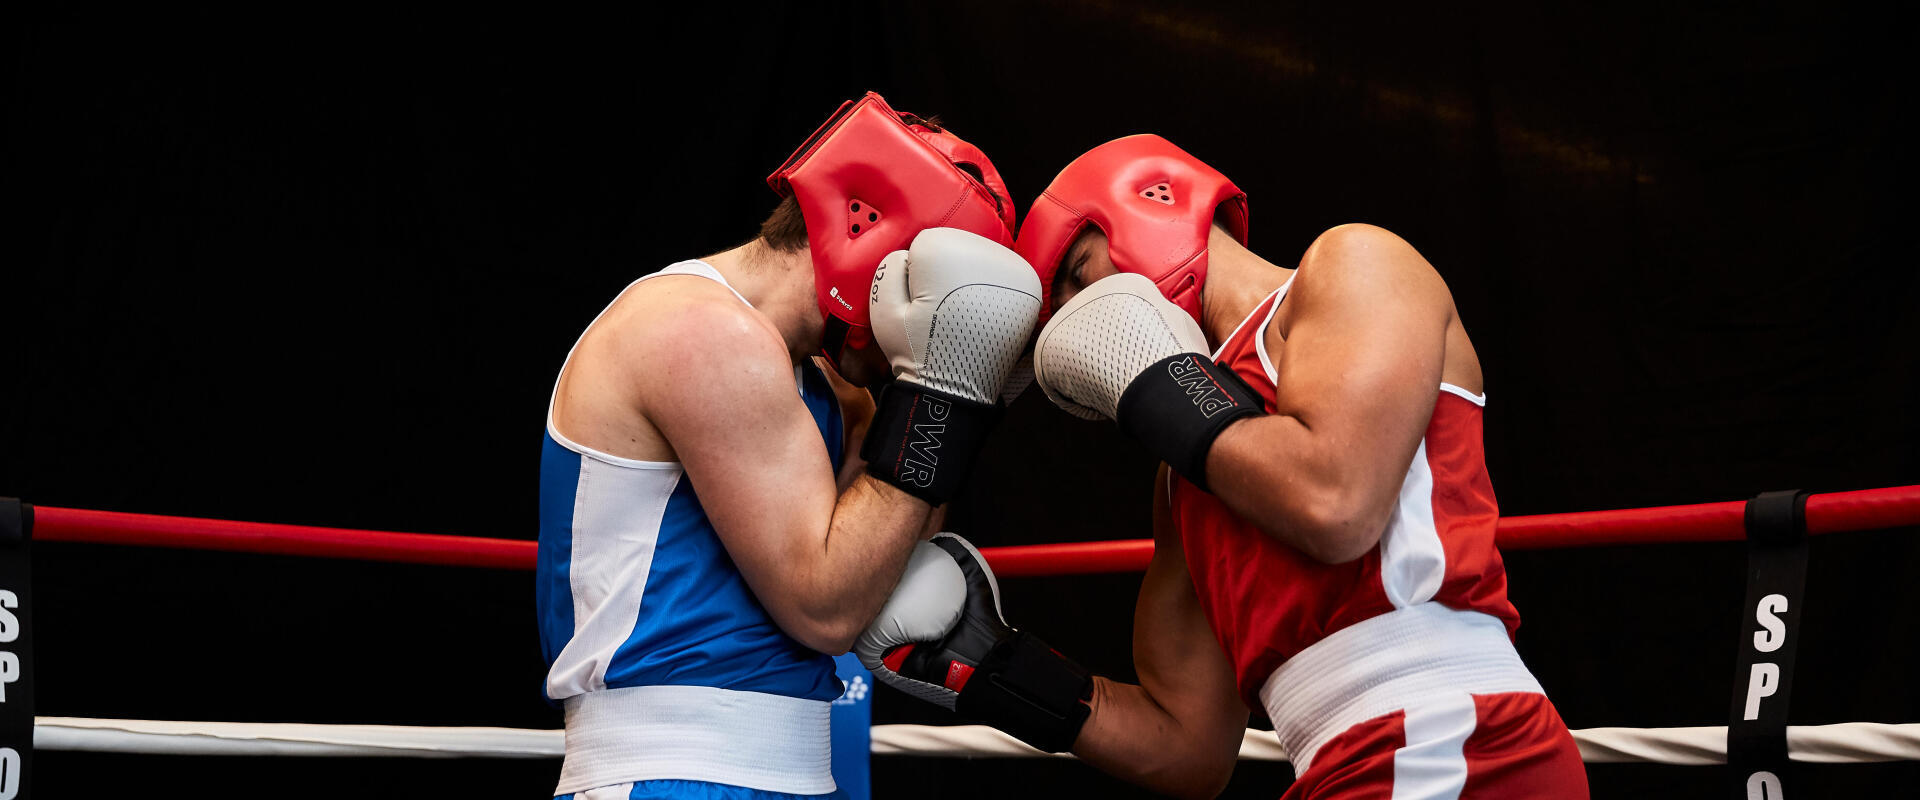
678 318
1369 277
666 348
1362 266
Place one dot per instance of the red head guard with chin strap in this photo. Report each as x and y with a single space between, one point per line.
868 181
1155 204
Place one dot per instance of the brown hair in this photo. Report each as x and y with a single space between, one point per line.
785 230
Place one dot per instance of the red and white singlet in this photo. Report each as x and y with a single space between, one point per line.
1393 675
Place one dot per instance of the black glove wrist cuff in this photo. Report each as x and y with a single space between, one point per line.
1178 406
1035 694
925 441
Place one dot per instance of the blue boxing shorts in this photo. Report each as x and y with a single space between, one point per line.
688 790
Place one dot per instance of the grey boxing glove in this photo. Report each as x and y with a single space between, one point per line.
952 313
1120 350
941 639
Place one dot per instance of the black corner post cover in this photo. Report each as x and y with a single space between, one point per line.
1776 525
16 519
16 649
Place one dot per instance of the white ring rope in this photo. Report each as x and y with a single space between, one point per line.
290 739
1843 743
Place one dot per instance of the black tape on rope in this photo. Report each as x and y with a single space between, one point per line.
1769 634
16 649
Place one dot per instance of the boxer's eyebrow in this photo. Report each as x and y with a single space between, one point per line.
1080 263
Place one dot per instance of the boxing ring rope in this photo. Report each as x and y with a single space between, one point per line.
152 530
1835 512
1844 743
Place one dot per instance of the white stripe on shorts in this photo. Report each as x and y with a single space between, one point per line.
1433 766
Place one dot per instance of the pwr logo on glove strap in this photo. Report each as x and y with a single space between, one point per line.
920 460
1206 393
1158 409
922 441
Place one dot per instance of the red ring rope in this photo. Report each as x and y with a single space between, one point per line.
152 530
1836 512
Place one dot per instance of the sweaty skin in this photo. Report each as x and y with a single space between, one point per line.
1361 343
678 369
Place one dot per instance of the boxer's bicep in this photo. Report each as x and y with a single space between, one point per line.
1357 371
1362 358
732 412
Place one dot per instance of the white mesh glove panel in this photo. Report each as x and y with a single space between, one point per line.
1104 338
953 312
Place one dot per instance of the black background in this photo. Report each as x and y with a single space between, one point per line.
324 273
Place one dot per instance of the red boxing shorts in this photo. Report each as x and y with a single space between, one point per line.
1511 745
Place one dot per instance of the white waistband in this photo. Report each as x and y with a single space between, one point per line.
697 733
1397 660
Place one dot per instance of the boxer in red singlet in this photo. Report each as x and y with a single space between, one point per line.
1324 530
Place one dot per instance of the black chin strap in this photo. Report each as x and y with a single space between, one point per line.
834 340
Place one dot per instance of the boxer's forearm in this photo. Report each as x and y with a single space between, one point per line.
1299 487
1131 736
853 467
1179 730
843 577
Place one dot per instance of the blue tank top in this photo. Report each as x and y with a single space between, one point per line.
633 586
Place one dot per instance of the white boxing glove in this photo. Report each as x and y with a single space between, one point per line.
1105 337
953 313
942 639
924 606
1120 350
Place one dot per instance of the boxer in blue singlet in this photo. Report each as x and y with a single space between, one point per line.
706 545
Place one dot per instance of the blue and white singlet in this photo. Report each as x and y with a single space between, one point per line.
666 664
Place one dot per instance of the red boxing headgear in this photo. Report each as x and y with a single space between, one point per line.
868 181
1155 204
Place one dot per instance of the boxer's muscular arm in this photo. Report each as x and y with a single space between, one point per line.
856 411
821 561
1361 365
1179 731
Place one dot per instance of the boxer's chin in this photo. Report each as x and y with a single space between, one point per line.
864 367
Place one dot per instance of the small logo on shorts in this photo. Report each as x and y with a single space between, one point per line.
856 692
